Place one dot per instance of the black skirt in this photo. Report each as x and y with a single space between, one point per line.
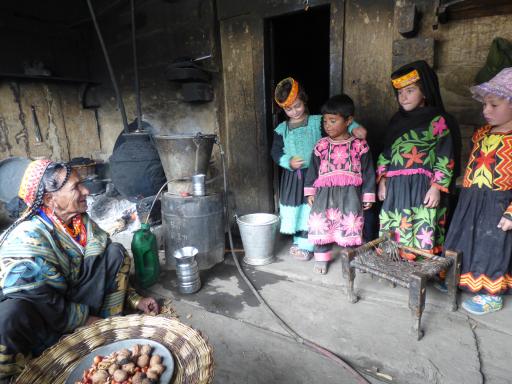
486 249
293 207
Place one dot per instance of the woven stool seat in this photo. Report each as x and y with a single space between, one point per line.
381 258
399 271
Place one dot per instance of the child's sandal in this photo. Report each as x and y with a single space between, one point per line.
303 255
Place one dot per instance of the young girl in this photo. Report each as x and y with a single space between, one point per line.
416 165
339 184
482 223
291 149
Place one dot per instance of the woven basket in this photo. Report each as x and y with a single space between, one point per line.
193 357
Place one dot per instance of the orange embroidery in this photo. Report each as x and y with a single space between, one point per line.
406 79
475 284
414 157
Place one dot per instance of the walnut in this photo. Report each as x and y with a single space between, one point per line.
155 359
151 374
146 349
100 377
113 368
138 377
130 368
158 368
120 375
143 361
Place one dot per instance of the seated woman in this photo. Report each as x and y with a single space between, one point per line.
58 269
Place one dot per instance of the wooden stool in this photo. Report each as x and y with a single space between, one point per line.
380 258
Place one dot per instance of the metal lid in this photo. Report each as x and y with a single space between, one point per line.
11 173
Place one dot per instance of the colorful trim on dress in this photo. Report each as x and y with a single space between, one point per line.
323 256
408 172
77 229
494 287
368 197
338 179
309 191
294 218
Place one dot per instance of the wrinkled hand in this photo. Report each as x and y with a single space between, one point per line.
92 319
381 191
311 200
296 162
360 132
505 224
149 306
432 198
367 206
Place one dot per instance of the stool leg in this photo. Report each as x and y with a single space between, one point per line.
452 278
417 290
349 273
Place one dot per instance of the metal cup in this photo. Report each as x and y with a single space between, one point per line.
198 186
187 270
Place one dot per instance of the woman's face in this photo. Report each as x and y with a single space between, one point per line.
70 200
295 111
411 97
497 110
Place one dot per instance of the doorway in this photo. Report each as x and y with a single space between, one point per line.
296 45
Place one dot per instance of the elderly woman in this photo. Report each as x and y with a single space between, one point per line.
58 269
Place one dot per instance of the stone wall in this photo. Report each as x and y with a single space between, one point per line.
44 117
166 31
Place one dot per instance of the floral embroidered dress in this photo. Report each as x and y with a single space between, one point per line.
485 198
418 159
341 177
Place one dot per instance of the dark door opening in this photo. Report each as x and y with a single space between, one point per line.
296 45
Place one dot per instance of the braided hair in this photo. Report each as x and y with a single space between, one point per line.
50 182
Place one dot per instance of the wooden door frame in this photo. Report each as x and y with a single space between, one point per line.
254 13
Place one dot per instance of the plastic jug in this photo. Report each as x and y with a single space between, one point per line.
145 255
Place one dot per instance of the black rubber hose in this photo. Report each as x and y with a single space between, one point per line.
299 339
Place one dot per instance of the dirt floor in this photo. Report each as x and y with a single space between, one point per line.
373 334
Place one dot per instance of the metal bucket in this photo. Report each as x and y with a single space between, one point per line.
184 155
258 231
197 220
187 270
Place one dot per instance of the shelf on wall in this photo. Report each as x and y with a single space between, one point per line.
20 76
469 9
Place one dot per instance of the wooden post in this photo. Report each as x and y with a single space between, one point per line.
417 290
349 272
452 277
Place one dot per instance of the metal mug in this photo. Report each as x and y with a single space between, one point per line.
187 270
198 186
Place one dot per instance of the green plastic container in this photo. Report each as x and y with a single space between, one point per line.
145 255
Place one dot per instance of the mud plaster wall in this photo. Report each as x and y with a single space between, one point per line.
67 130
367 64
461 49
165 31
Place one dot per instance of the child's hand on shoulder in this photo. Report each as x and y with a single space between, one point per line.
360 132
367 206
505 224
311 200
296 162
